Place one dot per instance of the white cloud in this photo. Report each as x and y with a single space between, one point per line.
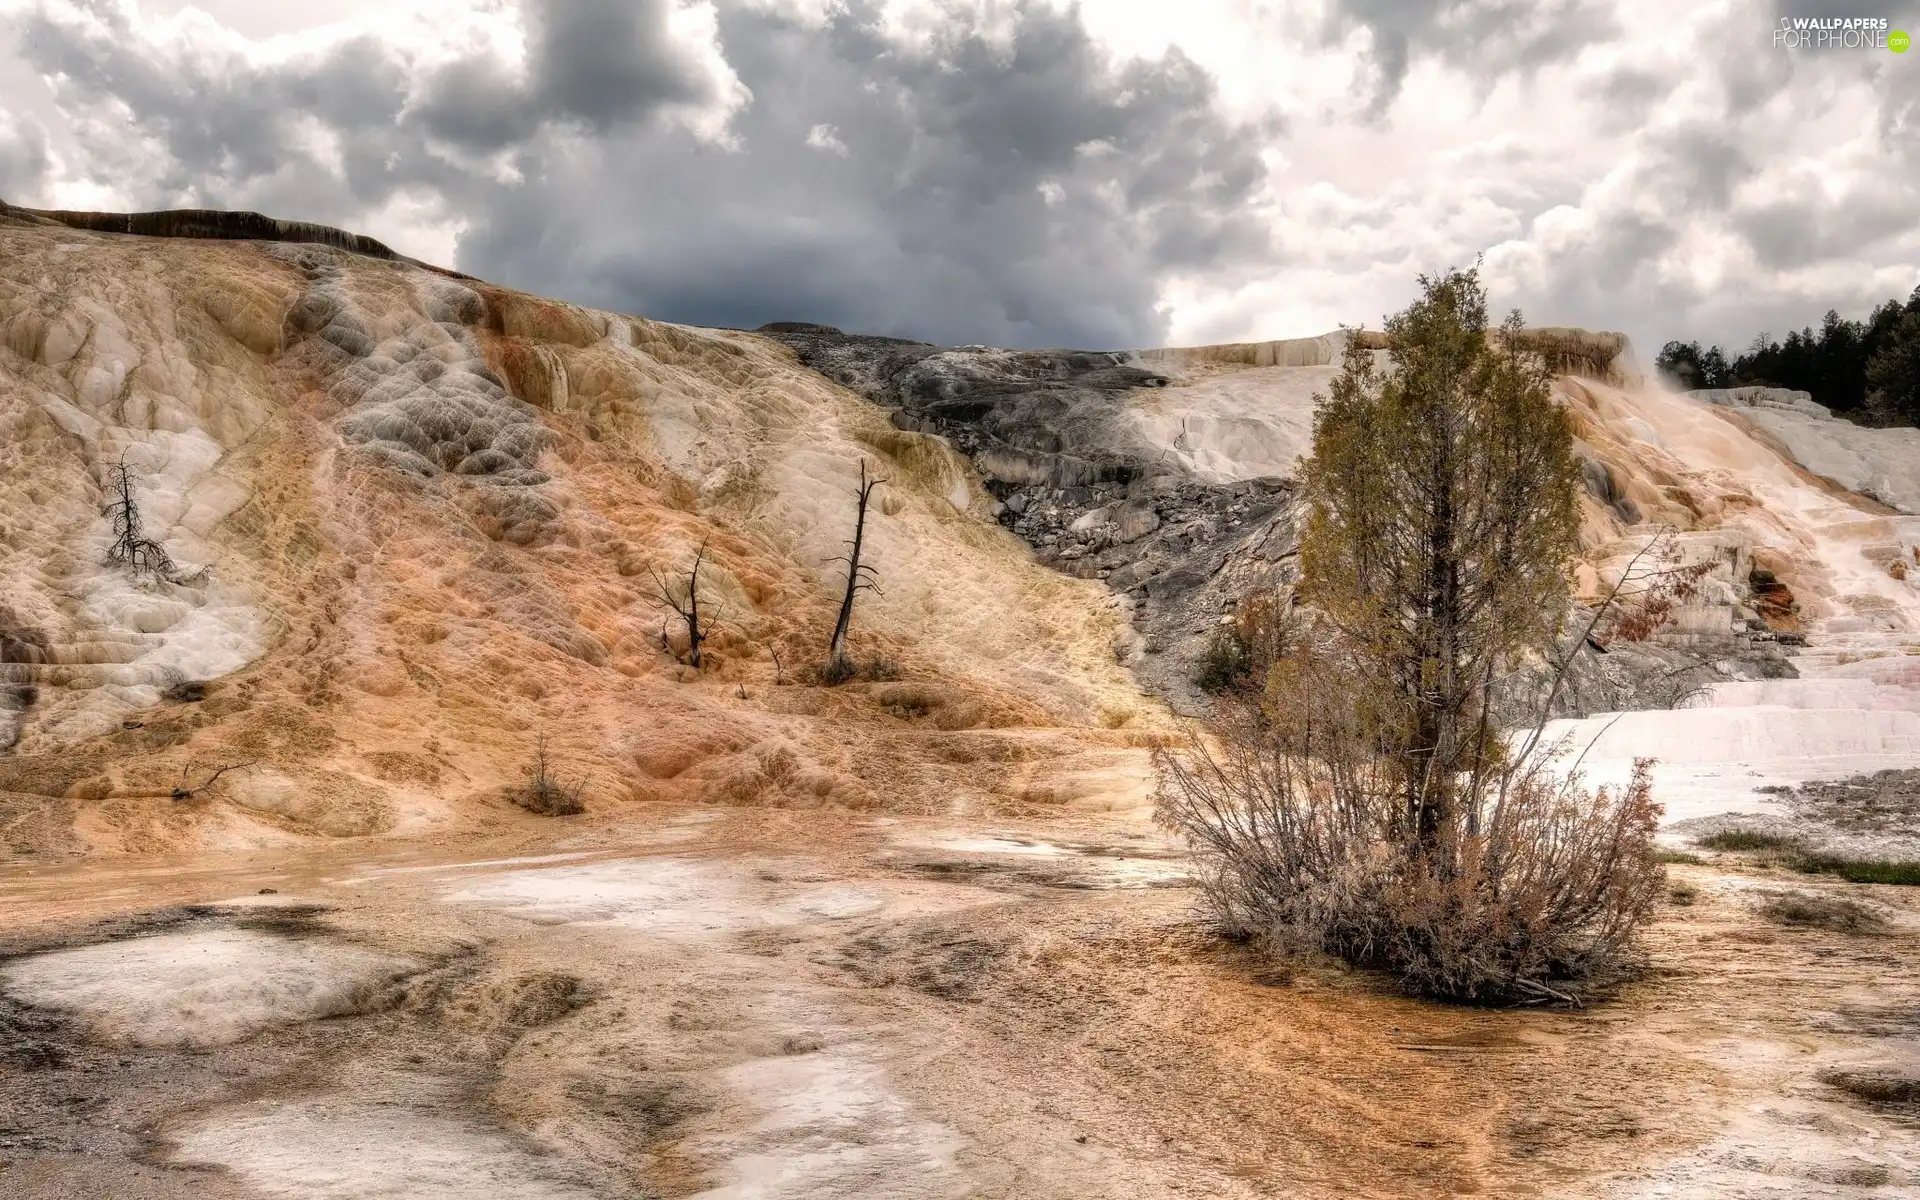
826 137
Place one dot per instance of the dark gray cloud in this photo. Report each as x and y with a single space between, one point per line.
222 122
23 158
1626 94
1488 39
594 63
1020 188
1005 179
1798 229
1025 192
228 126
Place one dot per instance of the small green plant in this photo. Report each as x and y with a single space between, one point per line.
1242 650
1862 870
1224 664
1785 851
1746 841
1680 857
881 669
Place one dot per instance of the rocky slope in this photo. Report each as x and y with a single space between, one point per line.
1167 473
429 511
903 937
1180 502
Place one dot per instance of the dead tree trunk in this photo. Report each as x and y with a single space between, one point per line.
687 608
131 545
856 582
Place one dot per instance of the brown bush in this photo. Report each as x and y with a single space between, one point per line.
544 792
1531 890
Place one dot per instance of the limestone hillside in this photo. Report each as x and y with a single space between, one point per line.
429 511
416 522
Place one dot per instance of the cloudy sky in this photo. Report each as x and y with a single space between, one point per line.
1113 173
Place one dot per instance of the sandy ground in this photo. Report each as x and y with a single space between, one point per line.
736 1002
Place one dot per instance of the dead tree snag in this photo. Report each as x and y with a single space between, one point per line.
684 602
857 582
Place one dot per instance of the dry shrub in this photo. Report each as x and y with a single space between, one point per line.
836 671
842 668
1241 651
1531 889
544 792
1833 913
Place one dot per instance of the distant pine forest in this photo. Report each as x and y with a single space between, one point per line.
1866 371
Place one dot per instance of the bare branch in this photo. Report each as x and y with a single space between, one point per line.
183 792
687 606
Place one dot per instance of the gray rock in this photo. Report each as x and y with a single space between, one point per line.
1044 428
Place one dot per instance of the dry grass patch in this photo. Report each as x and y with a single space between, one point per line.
1875 1086
1836 914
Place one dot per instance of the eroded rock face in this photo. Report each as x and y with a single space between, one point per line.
432 510
1881 464
1076 472
1182 552
1027 417
1167 474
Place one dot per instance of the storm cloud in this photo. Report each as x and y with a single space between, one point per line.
1015 185
978 171
1489 38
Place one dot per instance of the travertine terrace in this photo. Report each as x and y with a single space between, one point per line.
430 511
909 936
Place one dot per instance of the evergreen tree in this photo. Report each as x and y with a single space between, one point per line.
1443 513
1366 803
1893 375
1834 364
